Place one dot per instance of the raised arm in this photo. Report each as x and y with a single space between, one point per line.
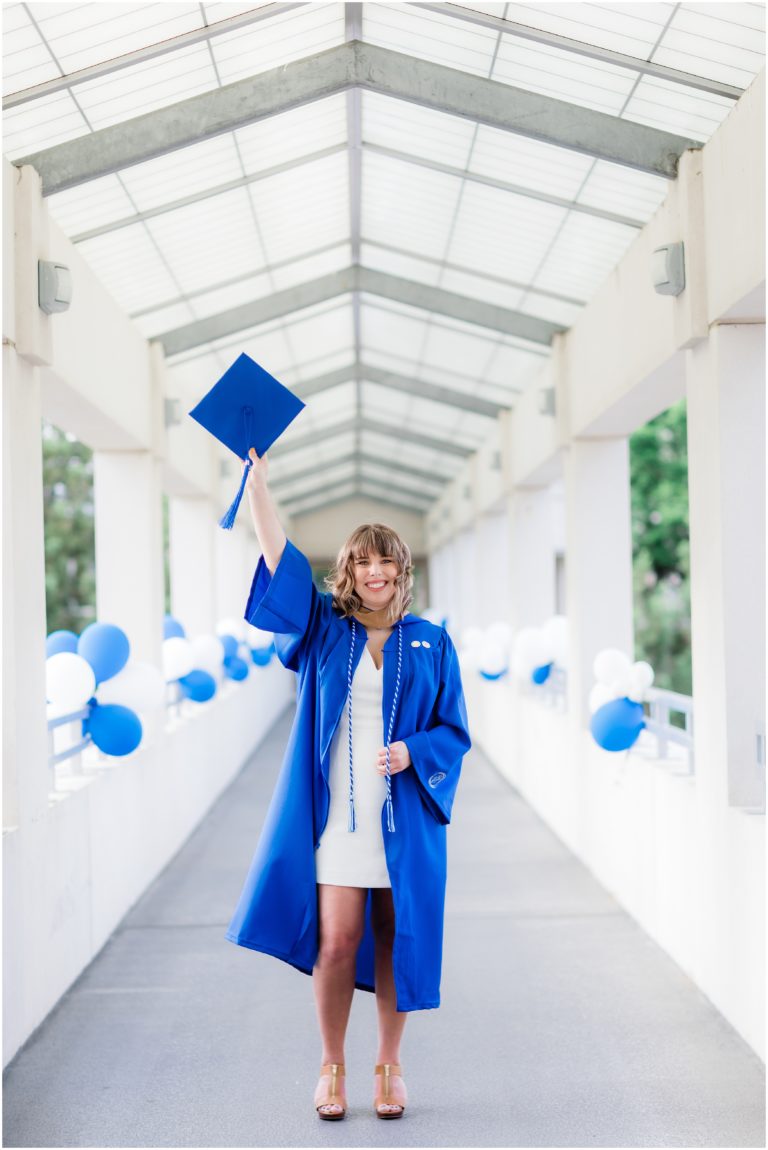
266 521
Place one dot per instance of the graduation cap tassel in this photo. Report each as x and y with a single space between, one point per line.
227 520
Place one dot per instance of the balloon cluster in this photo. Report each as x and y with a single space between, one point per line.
616 699
95 671
538 649
199 664
487 650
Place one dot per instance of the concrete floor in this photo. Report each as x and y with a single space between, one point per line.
562 1023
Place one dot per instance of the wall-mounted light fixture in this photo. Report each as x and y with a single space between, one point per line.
54 286
668 269
546 401
172 411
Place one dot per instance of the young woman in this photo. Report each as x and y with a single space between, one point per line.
347 883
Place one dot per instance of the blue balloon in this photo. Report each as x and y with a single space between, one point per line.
230 645
106 648
59 641
236 668
262 656
541 674
172 628
617 724
198 686
116 730
493 675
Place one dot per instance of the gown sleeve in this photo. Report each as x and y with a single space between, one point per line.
288 604
437 753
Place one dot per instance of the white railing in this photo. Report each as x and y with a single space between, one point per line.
661 704
71 752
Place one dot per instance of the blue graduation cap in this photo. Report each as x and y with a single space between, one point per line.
246 408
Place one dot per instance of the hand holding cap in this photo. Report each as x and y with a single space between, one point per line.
246 408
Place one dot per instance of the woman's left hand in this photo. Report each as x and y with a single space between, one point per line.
399 758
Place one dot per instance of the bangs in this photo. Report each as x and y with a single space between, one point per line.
374 537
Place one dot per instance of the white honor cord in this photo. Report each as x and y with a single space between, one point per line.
390 811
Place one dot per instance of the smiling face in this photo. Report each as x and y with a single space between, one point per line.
375 576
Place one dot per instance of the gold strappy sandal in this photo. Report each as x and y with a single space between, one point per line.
383 1071
332 1095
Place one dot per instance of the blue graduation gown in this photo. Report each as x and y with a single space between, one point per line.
277 909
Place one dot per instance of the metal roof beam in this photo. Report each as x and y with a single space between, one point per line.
376 427
357 279
321 504
416 388
359 458
375 69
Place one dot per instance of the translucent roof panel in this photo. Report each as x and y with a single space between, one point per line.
414 412
432 200
725 45
266 216
412 336
410 454
48 41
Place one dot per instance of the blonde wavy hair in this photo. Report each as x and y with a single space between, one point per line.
365 539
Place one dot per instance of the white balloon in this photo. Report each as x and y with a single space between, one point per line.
643 673
500 632
139 686
493 657
207 653
640 678
599 695
469 658
177 658
69 681
234 627
256 638
555 632
470 637
621 686
530 651
244 652
611 665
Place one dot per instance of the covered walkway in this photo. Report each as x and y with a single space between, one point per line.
562 1023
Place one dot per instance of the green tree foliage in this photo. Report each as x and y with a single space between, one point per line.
660 547
70 579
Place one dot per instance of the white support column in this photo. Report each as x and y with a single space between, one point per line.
129 547
26 778
726 476
494 576
192 522
233 570
598 560
27 343
532 563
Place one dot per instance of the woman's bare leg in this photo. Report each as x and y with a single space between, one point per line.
391 1020
341 916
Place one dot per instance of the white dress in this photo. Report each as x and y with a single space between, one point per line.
356 858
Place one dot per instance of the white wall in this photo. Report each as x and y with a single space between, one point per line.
689 869
70 875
